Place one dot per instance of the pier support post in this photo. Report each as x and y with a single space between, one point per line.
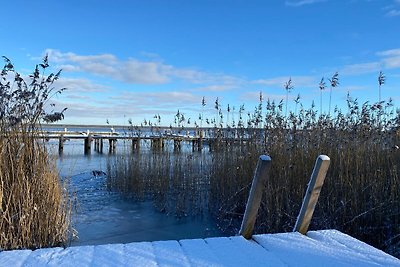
254 200
87 144
312 194
61 141
210 145
177 145
161 143
135 144
200 144
96 145
112 145
157 143
101 145
197 144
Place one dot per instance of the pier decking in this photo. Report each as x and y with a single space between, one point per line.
317 248
157 139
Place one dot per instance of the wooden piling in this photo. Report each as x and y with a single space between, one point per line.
199 144
177 144
101 145
254 200
87 144
61 144
157 143
112 145
135 144
312 194
193 145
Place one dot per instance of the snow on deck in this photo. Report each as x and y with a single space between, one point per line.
318 248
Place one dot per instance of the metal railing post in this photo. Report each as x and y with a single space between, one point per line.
254 200
312 194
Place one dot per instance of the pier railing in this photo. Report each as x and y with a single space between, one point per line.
261 175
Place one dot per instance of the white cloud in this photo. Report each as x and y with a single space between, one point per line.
391 58
77 97
255 96
393 13
133 71
388 59
362 68
215 88
129 71
159 99
391 52
302 2
297 81
75 85
138 106
351 88
392 10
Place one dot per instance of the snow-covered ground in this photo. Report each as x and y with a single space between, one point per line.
318 248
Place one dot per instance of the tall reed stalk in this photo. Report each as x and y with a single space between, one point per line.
35 210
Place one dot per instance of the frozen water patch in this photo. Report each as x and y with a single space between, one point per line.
104 217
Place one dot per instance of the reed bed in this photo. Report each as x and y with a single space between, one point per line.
361 191
177 182
34 204
35 210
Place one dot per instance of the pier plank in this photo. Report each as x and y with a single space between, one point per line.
108 255
295 249
14 257
237 251
353 248
170 253
140 254
200 253
72 257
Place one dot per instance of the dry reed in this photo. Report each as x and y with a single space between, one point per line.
35 210
360 195
34 204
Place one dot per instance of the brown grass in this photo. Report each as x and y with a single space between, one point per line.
35 210
360 195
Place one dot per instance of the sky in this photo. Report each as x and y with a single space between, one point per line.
124 60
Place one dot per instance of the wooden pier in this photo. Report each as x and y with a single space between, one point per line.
157 142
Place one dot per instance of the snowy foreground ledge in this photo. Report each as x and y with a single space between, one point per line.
318 248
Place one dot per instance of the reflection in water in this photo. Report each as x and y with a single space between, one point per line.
105 217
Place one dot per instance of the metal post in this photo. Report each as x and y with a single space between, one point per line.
253 203
312 194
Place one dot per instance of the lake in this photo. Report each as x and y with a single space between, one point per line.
104 217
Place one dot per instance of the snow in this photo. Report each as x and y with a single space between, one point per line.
324 157
265 158
317 248
169 253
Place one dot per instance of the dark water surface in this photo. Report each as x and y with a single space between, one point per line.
105 217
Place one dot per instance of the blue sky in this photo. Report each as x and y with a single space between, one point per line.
135 59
